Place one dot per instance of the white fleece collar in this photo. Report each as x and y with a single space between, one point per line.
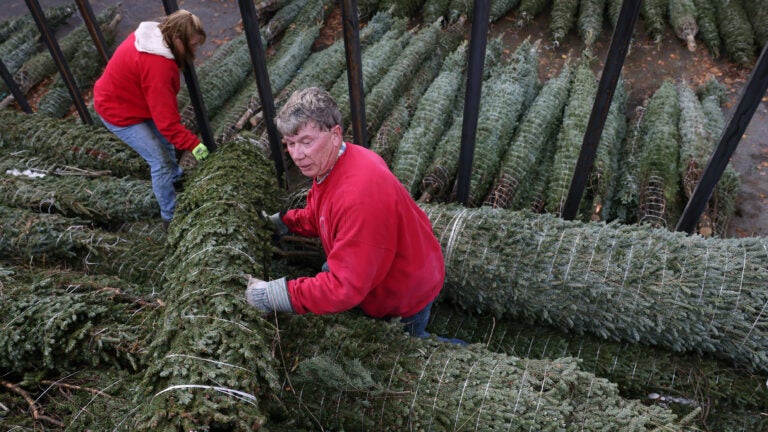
149 39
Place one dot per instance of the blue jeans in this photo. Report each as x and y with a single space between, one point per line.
416 325
160 154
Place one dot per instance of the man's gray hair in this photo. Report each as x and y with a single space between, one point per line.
310 105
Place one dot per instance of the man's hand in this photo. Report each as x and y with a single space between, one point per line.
200 152
269 296
278 226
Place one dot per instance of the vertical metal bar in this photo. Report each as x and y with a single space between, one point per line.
195 97
258 58
86 12
617 52
351 26
477 44
15 90
749 100
58 57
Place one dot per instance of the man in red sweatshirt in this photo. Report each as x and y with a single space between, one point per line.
135 98
382 255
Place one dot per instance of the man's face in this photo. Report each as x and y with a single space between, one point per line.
313 150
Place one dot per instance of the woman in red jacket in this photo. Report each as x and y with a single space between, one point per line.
136 98
382 254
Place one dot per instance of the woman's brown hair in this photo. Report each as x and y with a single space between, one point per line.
184 25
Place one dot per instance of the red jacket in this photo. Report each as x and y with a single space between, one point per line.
139 86
382 252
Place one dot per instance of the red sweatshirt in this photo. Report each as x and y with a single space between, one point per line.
382 252
139 86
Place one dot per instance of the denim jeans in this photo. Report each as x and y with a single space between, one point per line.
160 154
416 325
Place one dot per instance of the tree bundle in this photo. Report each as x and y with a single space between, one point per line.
210 362
626 193
375 60
654 13
563 18
86 65
392 84
682 16
221 76
440 174
638 370
392 383
41 65
47 239
56 320
659 159
757 11
736 32
326 69
282 19
103 199
619 282
433 114
507 94
600 186
569 140
321 68
590 21
22 38
67 143
706 19
529 9
723 200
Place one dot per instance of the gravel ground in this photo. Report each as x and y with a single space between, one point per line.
646 65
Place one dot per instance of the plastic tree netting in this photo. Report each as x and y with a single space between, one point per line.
620 282
67 143
538 126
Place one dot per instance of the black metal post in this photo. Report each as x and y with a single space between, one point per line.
58 57
258 58
749 100
195 96
354 70
477 44
622 35
15 90
93 28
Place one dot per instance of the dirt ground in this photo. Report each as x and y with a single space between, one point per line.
645 67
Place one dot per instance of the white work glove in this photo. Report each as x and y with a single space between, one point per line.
268 296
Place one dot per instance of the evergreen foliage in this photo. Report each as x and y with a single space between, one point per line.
682 16
575 119
210 362
41 65
736 32
509 91
67 143
428 123
654 13
659 160
590 21
637 369
625 283
563 18
86 65
706 19
23 37
391 383
757 11
529 9
75 193
538 125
